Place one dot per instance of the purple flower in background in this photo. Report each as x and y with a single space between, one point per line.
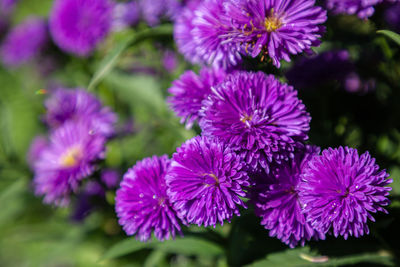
142 204
125 15
7 7
77 26
205 182
24 42
199 32
260 118
110 178
277 201
362 8
66 104
392 16
340 190
327 66
170 61
154 10
275 28
190 90
69 158
38 145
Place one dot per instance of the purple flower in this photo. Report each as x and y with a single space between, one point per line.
392 16
275 28
69 158
77 26
142 204
125 15
110 178
277 201
153 11
340 190
260 118
170 61
7 7
66 104
205 182
38 145
199 32
190 90
362 8
24 42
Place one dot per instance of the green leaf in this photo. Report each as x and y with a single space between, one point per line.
109 62
125 247
191 246
303 257
392 35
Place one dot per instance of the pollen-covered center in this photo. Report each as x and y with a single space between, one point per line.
272 22
211 179
246 118
71 157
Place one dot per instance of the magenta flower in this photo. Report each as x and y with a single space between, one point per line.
277 201
205 182
190 90
38 145
69 158
77 27
260 118
142 204
340 190
362 8
74 104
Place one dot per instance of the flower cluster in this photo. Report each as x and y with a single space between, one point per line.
79 128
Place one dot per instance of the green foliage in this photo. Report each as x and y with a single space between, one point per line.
392 35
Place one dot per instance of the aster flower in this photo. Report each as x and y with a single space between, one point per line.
198 33
277 202
125 15
24 42
66 104
340 190
110 178
362 8
205 182
260 118
153 11
190 90
77 26
69 158
142 204
275 28
38 145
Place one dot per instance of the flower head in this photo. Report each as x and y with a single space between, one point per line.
66 104
277 202
77 26
199 35
24 42
190 90
205 182
362 8
275 28
69 158
260 118
110 178
153 11
340 190
125 15
142 204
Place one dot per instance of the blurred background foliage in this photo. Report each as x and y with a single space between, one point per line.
130 78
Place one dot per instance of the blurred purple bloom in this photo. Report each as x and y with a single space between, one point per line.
38 145
198 32
392 16
77 26
154 10
260 118
142 204
125 15
24 42
7 7
205 182
110 178
190 90
277 201
340 190
275 28
170 61
65 104
69 158
362 8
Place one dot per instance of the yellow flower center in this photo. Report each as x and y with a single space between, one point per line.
272 22
71 157
246 118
